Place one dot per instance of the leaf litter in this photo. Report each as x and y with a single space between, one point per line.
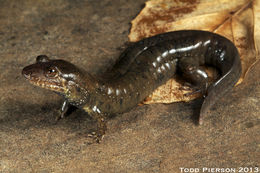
237 20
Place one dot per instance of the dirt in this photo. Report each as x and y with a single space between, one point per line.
149 138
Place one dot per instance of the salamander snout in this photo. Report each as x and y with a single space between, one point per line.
32 71
26 72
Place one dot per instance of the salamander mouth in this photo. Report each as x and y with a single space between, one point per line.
46 84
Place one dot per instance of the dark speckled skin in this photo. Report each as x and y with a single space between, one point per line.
140 70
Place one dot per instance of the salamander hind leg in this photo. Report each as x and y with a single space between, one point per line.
196 76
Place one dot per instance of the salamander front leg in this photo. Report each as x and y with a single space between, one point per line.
63 110
101 126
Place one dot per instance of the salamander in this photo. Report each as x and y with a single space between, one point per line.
140 69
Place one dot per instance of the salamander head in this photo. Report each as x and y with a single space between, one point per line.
55 75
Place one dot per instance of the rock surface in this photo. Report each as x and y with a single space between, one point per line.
150 138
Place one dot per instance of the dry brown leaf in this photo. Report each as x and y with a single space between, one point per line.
238 20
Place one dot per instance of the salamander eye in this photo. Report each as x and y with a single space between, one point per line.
52 72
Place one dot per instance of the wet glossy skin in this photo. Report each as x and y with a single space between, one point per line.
140 70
